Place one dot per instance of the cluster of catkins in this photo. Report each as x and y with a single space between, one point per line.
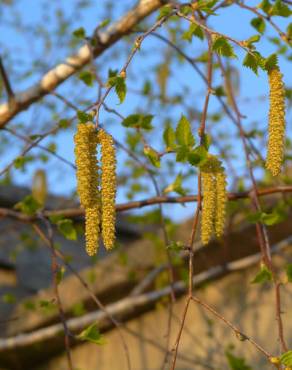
96 191
276 140
215 198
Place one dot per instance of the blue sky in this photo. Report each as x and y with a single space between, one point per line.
24 48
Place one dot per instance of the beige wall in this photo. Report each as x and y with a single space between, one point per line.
204 340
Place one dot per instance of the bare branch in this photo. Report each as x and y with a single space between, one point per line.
77 212
130 304
6 82
73 63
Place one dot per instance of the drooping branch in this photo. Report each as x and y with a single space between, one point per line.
134 303
6 82
77 212
73 63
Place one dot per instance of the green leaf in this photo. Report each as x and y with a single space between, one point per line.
206 141
289 31
236 363
250 41
194 30
79 33
67 228
250 61
28 205
60 274
223 47
87 77
265 6
262 276
103 23
152 155
176 186
286 358
21 161
289 272
271 218
206 5
271 62
164 11
9 298
280 9
175 246
259 24
183 132
198 156
169 138
84 117
64 123
138 121
182 153
120 86
92 334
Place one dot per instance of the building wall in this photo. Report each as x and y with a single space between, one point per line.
205 339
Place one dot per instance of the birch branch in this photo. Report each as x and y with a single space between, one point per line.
75 62
129 305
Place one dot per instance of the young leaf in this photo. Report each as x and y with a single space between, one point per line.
9 298
206 141
259 24
152 155
169 138
183 132
236 363
92 334
262 276
28 205
194 30
138 121
251 62
280 9
120 86
265 6
79 33
271 218
176 186
60 274
286 358
223 47
84 117
67 228
182 153
198 156
164 11
87 77
271 62
289 272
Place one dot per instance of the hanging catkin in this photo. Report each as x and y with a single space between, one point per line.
92 229
214 199
221 200
209 204
87 182
86 163
108 188
276 140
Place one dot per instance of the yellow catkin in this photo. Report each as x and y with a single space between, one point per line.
108 188
209 204
276 138
86 163
87 182
221 200
92 229
214 199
